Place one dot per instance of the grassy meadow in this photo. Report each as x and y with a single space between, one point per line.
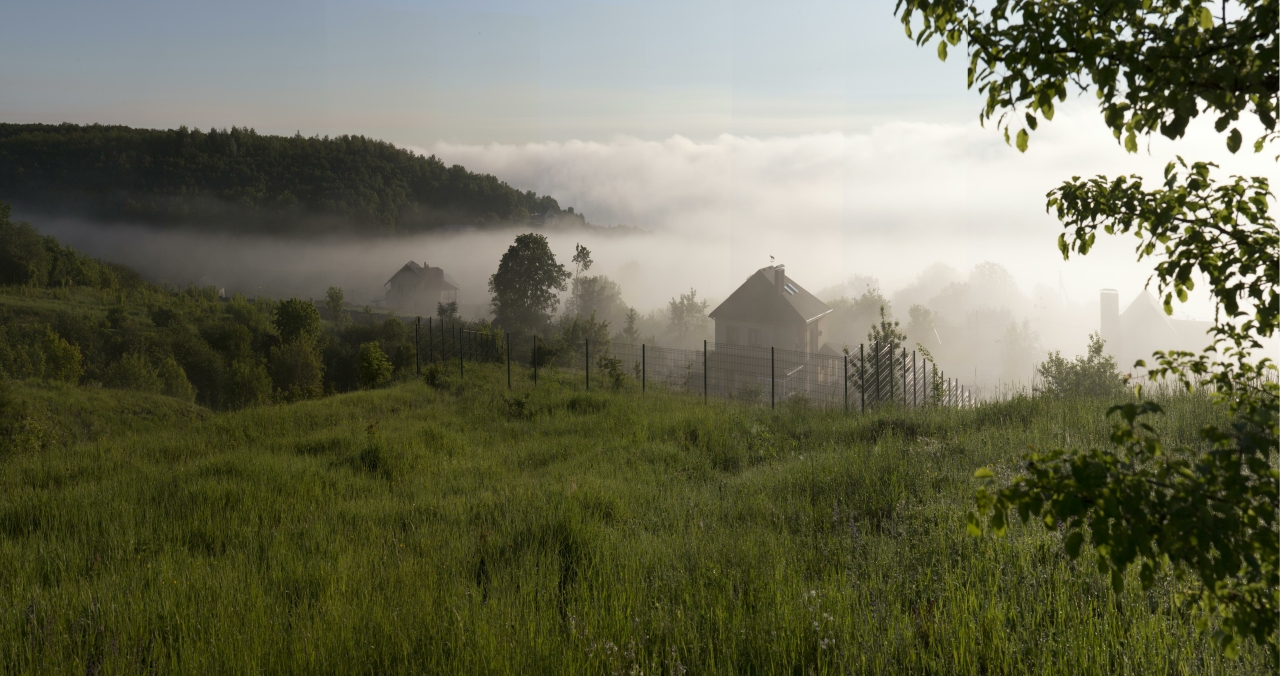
458 528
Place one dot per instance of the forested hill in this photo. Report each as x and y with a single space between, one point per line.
241 180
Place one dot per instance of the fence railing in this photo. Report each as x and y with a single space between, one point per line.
862 378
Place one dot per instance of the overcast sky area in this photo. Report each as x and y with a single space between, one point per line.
813 131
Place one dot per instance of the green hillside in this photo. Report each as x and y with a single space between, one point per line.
241 180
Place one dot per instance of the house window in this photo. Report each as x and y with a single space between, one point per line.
754 337
731 335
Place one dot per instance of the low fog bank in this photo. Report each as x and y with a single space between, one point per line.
945 218
980 322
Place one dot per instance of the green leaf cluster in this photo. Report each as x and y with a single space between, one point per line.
1153 64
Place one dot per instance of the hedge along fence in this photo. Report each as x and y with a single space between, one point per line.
872 375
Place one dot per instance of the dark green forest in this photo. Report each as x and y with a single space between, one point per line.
241 180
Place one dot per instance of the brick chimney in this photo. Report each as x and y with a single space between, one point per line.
780 277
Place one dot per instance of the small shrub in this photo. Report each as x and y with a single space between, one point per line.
61 359
433 375
375 369
248 383
296 371
133 372
37 351
377 458
749 392
164 317
612 369
519 408
11 411
1094 375
174 381
586 403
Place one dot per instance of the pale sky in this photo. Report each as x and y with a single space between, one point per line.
474 72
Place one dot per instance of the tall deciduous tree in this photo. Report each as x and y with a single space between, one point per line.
297 319
688 318
525 285
1209 515
335 302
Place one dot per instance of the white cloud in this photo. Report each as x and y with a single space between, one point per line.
885 203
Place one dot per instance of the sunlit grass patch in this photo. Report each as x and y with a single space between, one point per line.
429 529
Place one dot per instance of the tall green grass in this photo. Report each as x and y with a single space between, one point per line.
463 529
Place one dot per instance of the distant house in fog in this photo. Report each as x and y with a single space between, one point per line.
416 290
771 310
1144 328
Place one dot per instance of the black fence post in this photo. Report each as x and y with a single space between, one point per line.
644 368
915 382
890 355
535 360
846 382
431 343
904 376
862 367
773 379
417 363
875 365
704 369
586 351
461 368
508 339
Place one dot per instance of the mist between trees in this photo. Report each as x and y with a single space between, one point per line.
980 323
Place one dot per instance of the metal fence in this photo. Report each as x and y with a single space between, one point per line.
866 377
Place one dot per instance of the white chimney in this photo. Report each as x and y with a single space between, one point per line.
1109 299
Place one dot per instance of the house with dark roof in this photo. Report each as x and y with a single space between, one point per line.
771 310
416 290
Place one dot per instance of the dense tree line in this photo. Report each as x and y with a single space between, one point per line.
241 179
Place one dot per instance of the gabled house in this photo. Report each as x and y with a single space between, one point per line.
1144 328
771 310
416 290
